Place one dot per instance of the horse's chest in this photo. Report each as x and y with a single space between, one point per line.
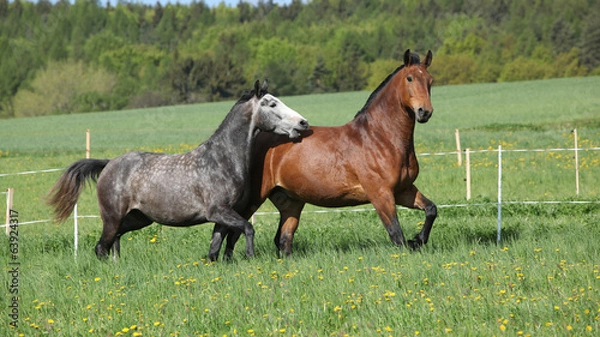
408 171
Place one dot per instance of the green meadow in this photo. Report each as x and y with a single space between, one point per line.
345 278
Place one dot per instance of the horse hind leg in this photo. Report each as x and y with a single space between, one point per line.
114 228
108 238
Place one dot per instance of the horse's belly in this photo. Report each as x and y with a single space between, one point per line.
172 210
174 217
329 195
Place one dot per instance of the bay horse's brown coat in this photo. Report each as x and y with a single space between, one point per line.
371 159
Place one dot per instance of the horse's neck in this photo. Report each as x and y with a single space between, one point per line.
233 139
386 114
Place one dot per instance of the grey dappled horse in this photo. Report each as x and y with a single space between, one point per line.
207 184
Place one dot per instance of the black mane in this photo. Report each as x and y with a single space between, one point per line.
248 94
415 59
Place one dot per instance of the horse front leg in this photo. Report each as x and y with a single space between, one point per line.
219 232
116 248
229 221
384 204
413 198
289 218
231 236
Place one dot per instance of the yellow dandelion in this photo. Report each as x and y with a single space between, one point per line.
50 321
502 327
137 334
97 279
157 323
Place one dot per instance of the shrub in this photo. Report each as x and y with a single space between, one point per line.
65 88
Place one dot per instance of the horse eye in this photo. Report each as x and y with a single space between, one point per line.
409 78
273 104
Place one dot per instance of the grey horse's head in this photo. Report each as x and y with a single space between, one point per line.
271 114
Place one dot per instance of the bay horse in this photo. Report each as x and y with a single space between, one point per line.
208 184
371 159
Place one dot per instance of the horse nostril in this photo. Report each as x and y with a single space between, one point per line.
304 123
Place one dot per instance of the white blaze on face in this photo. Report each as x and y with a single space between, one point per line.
282 118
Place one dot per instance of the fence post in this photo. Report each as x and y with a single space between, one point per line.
9 204
576 162
458 151
499 193
87 144
75 232
468 167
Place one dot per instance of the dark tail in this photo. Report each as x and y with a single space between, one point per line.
64 194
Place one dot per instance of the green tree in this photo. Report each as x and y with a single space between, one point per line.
3 9
276 60
19 63
590 42
65 88
562 36
318 78
123 23
87 18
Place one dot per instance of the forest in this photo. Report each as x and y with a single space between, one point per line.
64 57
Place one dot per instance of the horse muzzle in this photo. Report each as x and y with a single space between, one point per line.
422 115
296 131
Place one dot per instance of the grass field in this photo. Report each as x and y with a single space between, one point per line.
346 277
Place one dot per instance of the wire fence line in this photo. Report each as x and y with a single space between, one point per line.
30 172
371 209
515 150
366 209
425 154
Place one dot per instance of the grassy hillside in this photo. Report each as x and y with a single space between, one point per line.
346 278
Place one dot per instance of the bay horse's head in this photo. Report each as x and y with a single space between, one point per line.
271 114
415 85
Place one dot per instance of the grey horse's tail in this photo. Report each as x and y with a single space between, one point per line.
64 194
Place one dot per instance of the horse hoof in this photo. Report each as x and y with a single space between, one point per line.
415 244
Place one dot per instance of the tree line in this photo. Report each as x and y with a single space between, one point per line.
92 56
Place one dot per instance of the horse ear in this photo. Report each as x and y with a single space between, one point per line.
407 58
265 85
428 59
257 88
